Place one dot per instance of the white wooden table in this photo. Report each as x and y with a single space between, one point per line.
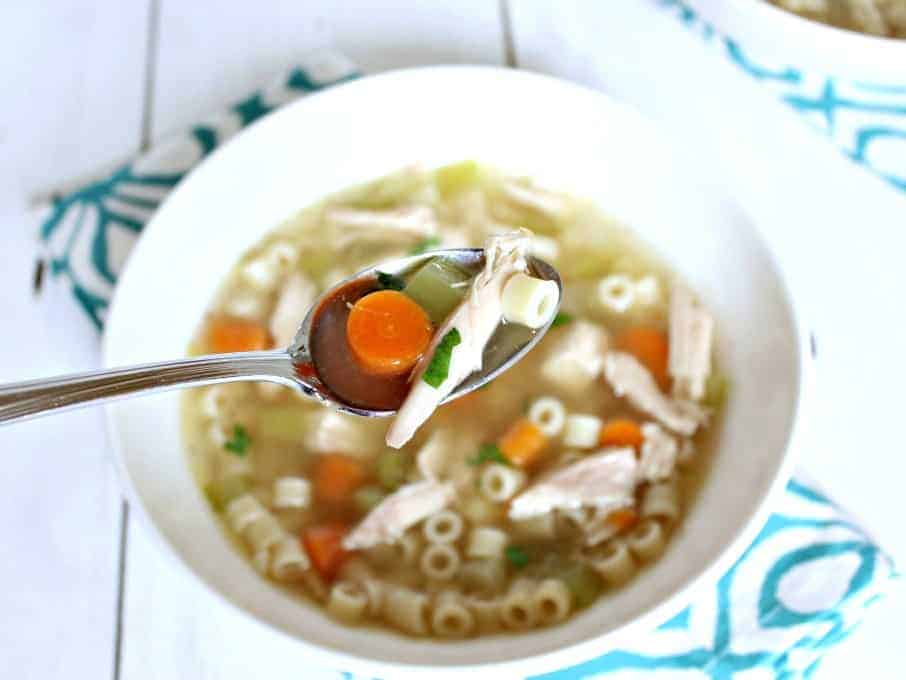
84 83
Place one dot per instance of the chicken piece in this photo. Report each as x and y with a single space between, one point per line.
296 297
406 223
432 458
397 512
629 378
575 362
474 320
604 480
331 432
658 455
545 202
691 334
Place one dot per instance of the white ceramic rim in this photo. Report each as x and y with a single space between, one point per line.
792 40
565 656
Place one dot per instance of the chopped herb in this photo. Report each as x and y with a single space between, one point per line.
561 319
390 282
239 442
425 245
517 556
439 368
488 453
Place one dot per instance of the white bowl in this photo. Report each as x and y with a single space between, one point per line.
781 37
563 135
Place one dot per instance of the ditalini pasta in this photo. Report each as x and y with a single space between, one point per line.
529 301
347 601
509 509
486 543
440 562
646 540
451 617
292 492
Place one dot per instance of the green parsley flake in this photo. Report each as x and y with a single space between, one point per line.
389 281
561 319
239 442
516 556
439 368
488 453
425 245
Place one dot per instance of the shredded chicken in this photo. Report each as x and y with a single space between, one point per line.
409 505
658 455
545 202
475 320
604 480
577 358
296 297
629 378
409 222
691 332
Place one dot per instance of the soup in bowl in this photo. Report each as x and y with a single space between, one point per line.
476 576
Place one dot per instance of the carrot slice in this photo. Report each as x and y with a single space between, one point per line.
621 432
623 519
324 545
650 346
387 332
337 477
237 335
523 443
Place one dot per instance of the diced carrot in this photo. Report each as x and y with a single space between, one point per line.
337 477
623 519
648 345
387 332
523 443
621 432
324 545
237 335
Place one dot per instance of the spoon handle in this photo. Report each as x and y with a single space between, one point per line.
20 401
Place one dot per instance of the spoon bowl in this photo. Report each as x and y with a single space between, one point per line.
292 366
497 357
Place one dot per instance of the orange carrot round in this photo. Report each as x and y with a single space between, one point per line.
227 335
649 346
337 477
623 519
387 332
522 443
324 545
621 432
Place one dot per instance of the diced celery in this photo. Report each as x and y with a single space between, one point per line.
456 178
367 497
717 388
392 467
219 493
582 581
287 422
439 286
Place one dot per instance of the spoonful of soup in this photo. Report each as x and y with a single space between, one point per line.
402 337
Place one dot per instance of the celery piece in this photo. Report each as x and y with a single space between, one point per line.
391 469
438 286
219 493
584 584
717 388
456 178
282 422
367 497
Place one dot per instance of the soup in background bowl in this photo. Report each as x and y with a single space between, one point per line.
590 148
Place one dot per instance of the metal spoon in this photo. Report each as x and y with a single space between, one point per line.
291 367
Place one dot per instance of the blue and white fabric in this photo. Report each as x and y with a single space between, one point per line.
800 588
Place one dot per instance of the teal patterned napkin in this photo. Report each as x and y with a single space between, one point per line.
799 589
